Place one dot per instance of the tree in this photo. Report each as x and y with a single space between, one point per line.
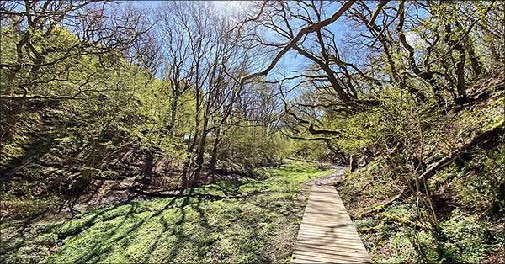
42 38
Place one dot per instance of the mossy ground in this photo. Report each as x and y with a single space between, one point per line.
254 221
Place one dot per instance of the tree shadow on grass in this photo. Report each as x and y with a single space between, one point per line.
172 228
120 235
123 236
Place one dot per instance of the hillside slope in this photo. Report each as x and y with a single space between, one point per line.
454 212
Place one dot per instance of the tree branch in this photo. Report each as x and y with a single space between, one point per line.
304 31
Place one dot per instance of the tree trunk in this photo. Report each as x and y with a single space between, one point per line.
199 159
173 114
353 163
201 150
460 72
213 157
474 60
148 166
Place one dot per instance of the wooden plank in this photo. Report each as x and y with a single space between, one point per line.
327 234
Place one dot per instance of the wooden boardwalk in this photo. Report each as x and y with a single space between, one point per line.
327 234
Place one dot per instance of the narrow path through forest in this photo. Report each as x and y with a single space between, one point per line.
327 233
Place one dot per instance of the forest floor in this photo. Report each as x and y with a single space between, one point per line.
244 220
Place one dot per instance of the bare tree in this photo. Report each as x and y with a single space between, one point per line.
202 58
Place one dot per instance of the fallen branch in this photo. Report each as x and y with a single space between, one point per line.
437 166
381 207
393 219
165 194
434 168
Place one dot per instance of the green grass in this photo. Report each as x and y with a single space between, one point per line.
255 221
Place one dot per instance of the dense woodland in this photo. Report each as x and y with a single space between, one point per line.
199 120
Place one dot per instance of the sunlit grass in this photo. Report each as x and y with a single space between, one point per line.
255 220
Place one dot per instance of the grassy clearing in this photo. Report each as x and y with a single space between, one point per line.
254 221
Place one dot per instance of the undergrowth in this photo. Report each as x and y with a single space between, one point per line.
467 196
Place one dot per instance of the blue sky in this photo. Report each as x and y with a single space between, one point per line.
292 63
